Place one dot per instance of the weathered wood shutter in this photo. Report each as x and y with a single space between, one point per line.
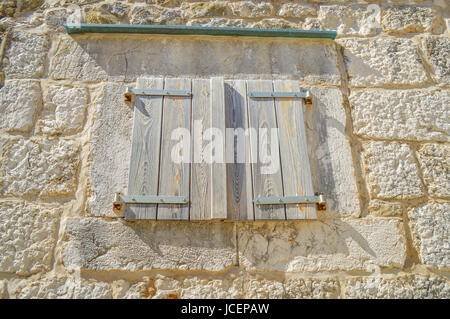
152 170
245 181
217 190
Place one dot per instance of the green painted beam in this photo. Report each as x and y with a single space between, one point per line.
197 30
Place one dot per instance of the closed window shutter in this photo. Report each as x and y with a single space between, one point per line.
246 181
153 172
218 190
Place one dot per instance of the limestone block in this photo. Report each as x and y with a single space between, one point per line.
95 244
153 15
435 162
385 209
56 17
73 62
25 56
415 115
383 61
329 245
117 9
249 9
27 238
330 154
391 171
402 287
58 287
296 10
205 9
437 52
64 110
19 102
110 149
408 19
350 19
119 58
219 22
274 23
430 225
37 167
312 288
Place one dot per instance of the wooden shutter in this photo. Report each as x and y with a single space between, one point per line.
152 170
245 181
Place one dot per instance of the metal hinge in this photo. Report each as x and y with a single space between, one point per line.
130 92
301 94
120 199
318 199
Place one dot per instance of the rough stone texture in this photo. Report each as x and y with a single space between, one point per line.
295 10
321 246
152 15
145 246
64 110
58 287
435 162
437 53
205 9
391 171
3 291
71 61
25 56
240 285
430 226
120 58
37 167
110 149
249 9
406 19
311 288
402 287
330 154
349 19
414 115
56 17
383 61
19 102
272 23
385 209
27 237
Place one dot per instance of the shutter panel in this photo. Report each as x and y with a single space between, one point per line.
145 149
153 170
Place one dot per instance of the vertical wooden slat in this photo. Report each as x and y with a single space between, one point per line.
174 177
294 156
200 206
144 161
262 115
239 183
218 169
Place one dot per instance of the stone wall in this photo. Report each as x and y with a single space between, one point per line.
378 135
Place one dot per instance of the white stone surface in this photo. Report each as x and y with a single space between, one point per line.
391 171
402 287
330 154
435 162
110 149
19 102
408 19
296 10
64 110
37 167
437 53
316 246
101 245
349 20
26 55
414 115
58 287
430 226
249 9
383 62
28 236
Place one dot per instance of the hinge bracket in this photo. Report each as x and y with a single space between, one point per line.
286 95
132 92
120 199
318 199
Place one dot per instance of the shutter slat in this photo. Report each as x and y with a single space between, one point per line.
174 177
294 151
262 115
144 162
239 178
218 169
201 171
